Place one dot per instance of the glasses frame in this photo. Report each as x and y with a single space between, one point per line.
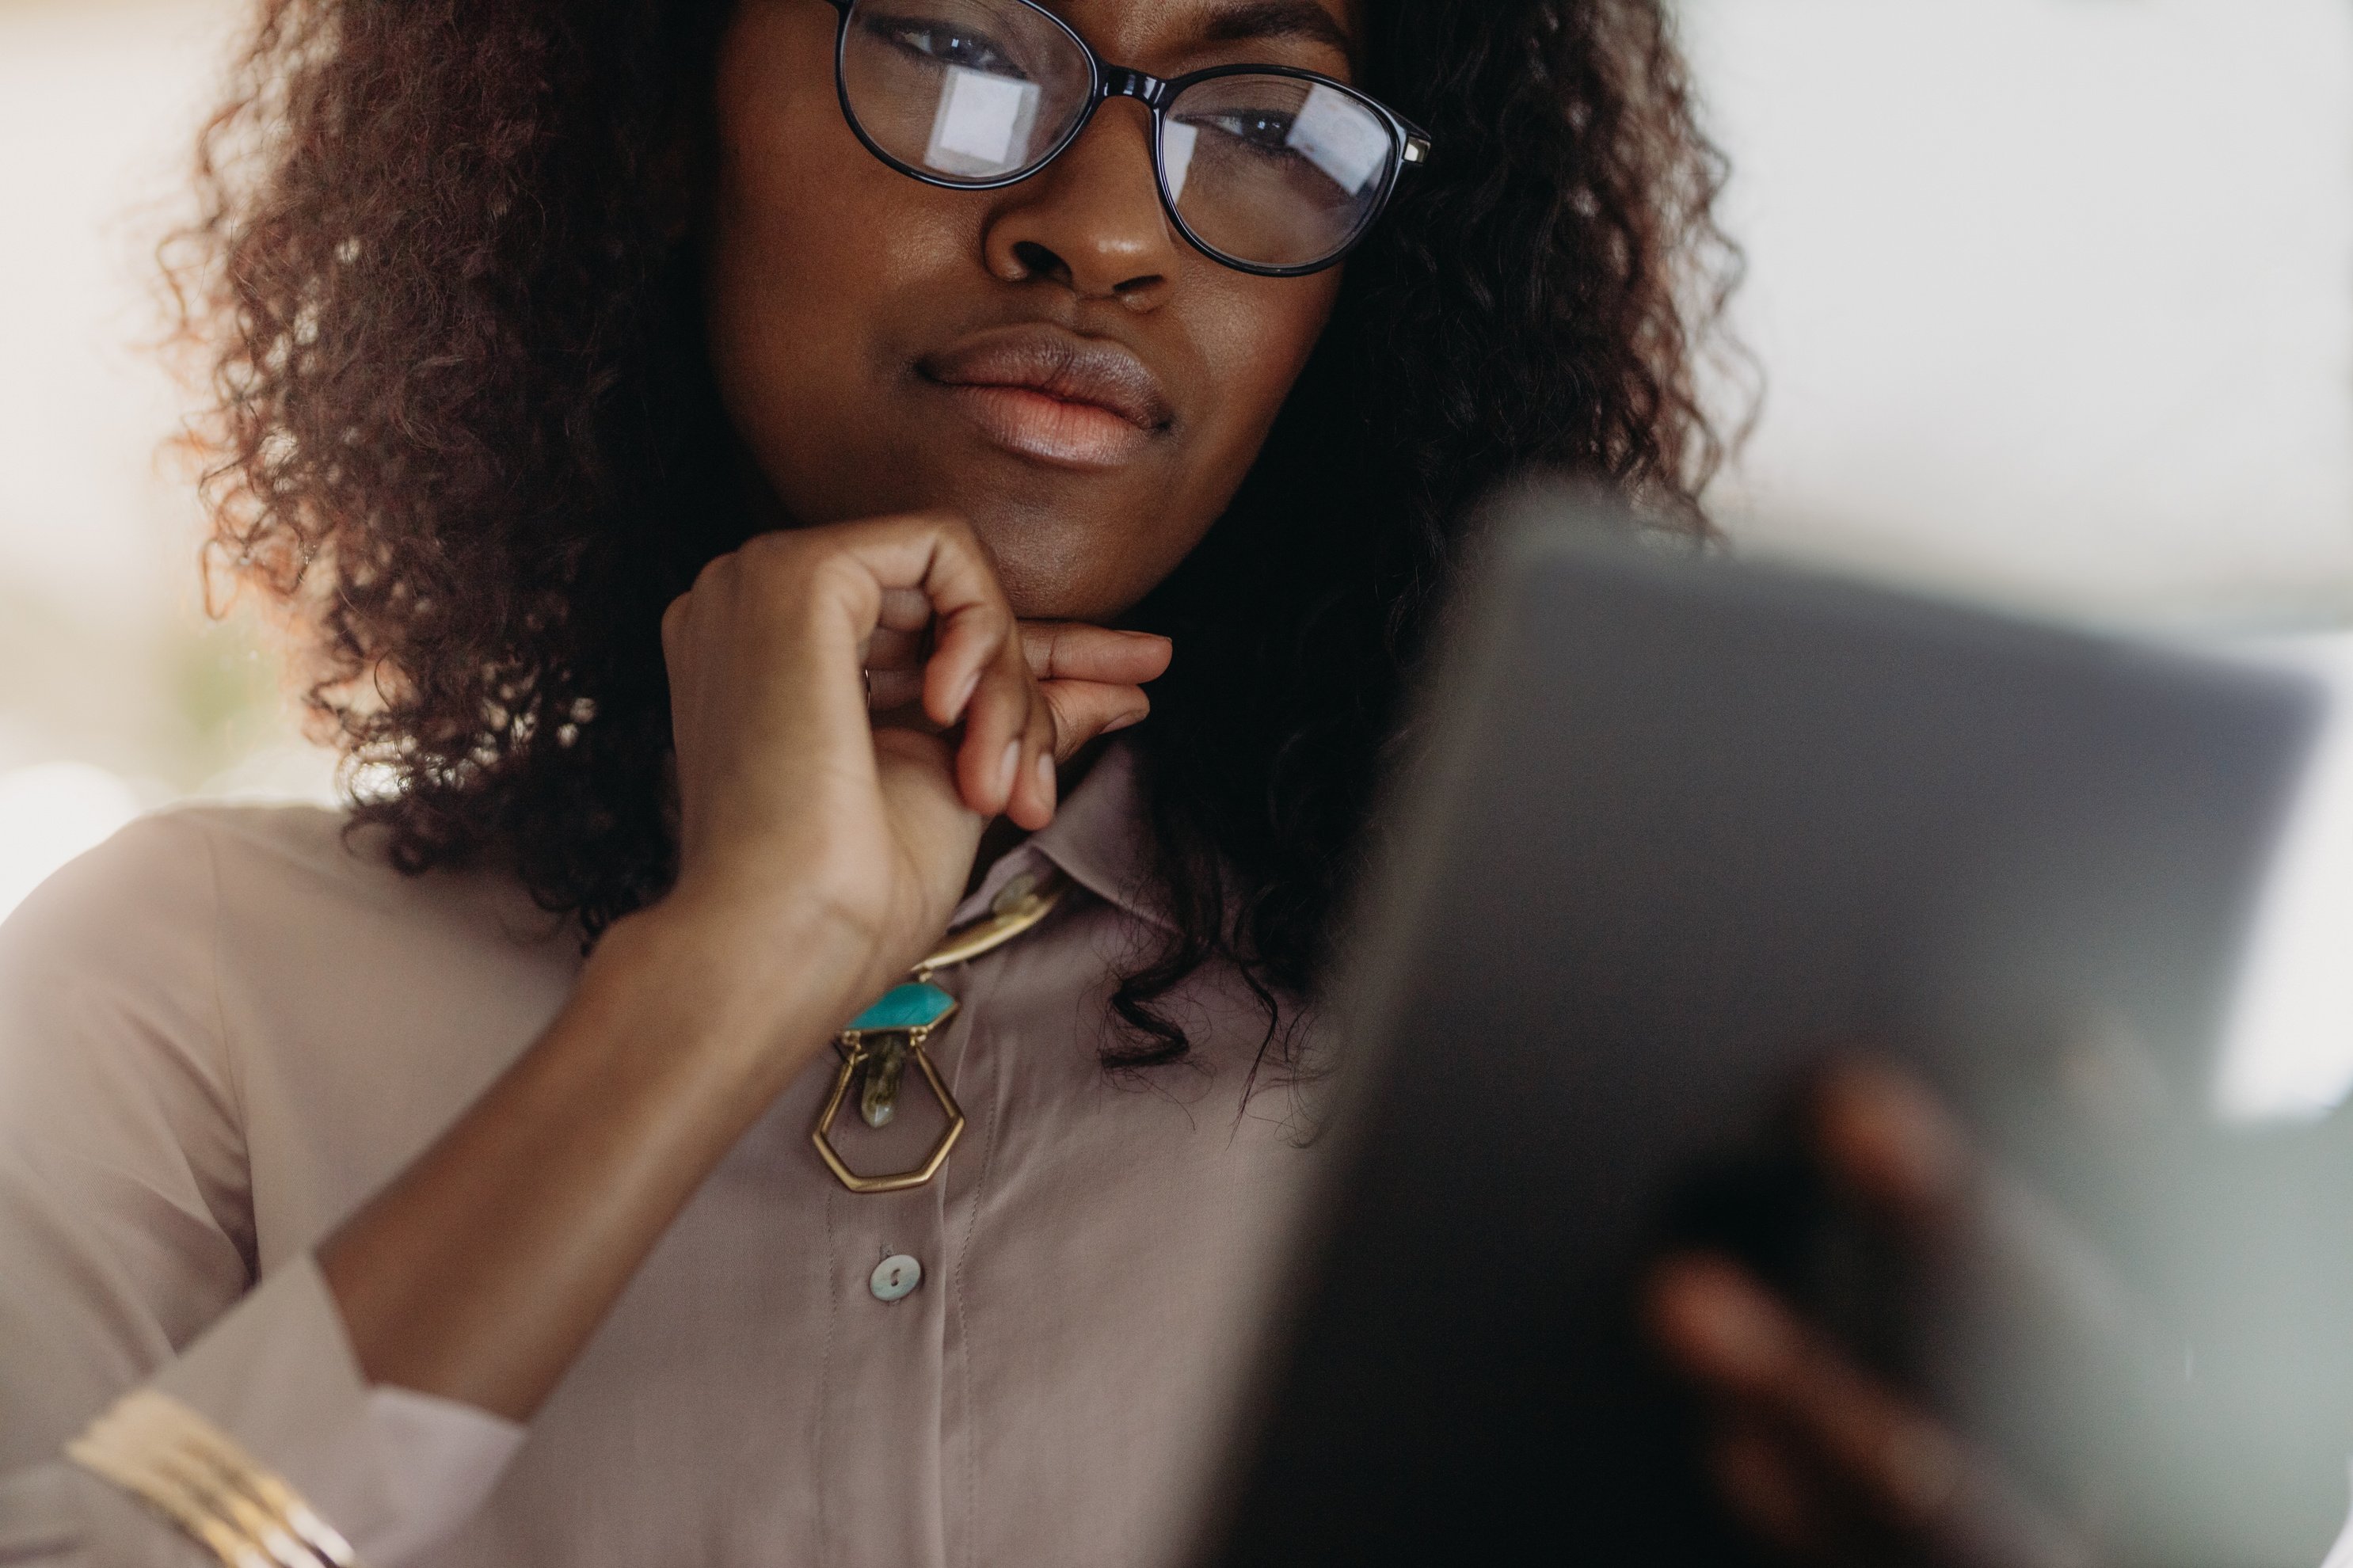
1409 144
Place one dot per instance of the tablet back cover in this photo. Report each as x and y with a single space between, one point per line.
1680 826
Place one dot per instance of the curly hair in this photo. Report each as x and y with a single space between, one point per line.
463 428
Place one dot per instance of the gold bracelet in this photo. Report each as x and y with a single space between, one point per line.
199 1478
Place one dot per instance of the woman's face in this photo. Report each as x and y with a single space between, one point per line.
879 342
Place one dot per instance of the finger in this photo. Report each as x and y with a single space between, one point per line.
1772 1488
997 724
975 643
1842 1432
903 610
888 690
1698 1310
1073 650
1737 1338
1999 1246
888 649
1082 709
1769 1490
975 675
877 565
1889 1140
894 669
1032 803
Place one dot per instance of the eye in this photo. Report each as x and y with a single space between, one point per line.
946 43
1259 129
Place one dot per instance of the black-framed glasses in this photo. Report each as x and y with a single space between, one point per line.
1269 169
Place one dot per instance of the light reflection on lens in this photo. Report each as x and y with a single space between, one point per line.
974 90
1279 172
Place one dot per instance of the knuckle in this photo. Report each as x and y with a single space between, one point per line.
768 556
903 526
839 574
949 525
955 537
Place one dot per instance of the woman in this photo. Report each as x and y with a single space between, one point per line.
710 448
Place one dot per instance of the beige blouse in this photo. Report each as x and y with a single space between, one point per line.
223 1029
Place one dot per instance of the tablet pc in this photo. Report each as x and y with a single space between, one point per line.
1674 829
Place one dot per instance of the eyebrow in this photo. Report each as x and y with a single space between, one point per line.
1255 19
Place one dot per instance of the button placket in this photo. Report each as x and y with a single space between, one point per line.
896 1409
979 1078
886 1373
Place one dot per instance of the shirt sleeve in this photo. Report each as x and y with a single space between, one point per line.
127 1259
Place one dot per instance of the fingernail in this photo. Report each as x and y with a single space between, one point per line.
1124 722
1046 780
963 696
1011 760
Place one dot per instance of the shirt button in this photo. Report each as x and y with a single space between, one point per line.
894 1276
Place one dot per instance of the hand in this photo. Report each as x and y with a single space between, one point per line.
794 805
1824 1460
1091 676
819 851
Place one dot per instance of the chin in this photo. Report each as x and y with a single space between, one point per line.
1052 565
1065 552
1047 596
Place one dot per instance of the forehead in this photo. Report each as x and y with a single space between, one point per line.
1137 32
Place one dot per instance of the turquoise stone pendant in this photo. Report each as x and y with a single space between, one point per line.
900 1020
879 1042
917 1004
875 1050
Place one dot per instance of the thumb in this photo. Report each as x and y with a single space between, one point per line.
1083 709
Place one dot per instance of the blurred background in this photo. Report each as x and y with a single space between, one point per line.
2054 299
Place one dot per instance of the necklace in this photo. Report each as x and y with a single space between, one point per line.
877 1046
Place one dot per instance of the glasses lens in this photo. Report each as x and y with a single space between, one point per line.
1274 170
963 91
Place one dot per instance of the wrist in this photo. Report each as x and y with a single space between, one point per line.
759 994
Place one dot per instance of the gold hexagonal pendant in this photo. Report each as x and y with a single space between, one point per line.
875 1046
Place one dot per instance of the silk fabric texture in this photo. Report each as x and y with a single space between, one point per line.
223 1029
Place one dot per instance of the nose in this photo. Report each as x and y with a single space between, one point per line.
1092 219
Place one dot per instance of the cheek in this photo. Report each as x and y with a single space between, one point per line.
794 285
767 259
1255 335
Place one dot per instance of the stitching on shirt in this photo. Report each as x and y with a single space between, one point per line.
823 1450
231 1068
229 1064
971 1225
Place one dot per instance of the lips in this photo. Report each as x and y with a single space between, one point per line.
1051 394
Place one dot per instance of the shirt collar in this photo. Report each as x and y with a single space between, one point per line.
1098 838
